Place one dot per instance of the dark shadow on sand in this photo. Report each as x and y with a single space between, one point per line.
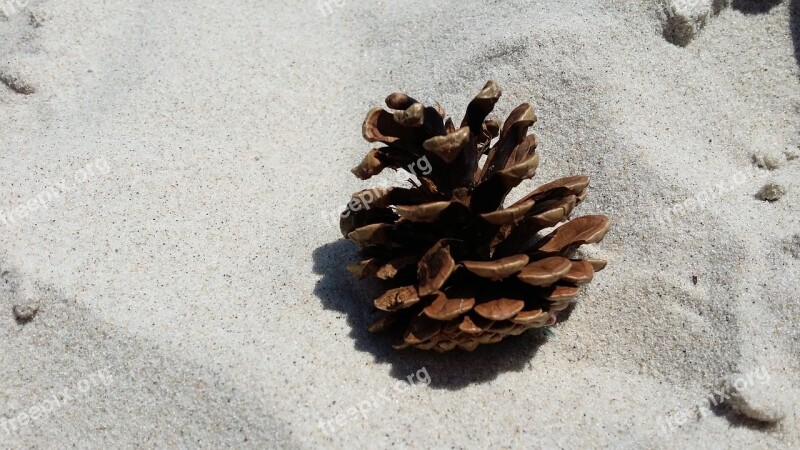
765 6
794 20
340 291
755 6
737 420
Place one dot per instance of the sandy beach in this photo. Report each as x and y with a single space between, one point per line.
173 273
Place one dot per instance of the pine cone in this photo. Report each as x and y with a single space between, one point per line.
461 269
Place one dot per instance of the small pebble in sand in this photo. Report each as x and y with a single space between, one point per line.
757 400
791 154
771 192
24 313
768 160
683 19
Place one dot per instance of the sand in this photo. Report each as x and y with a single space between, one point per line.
172 173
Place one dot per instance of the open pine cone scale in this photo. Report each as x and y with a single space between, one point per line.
461 269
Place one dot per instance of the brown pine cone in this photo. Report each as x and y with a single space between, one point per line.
462 270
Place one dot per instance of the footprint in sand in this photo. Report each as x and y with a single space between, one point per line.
17 35
16 82
683 19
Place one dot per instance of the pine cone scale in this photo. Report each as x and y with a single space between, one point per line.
444 308
498 269
480 107
435 268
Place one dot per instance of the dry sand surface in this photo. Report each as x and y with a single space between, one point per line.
172 174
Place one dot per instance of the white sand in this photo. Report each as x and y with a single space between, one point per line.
190 293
